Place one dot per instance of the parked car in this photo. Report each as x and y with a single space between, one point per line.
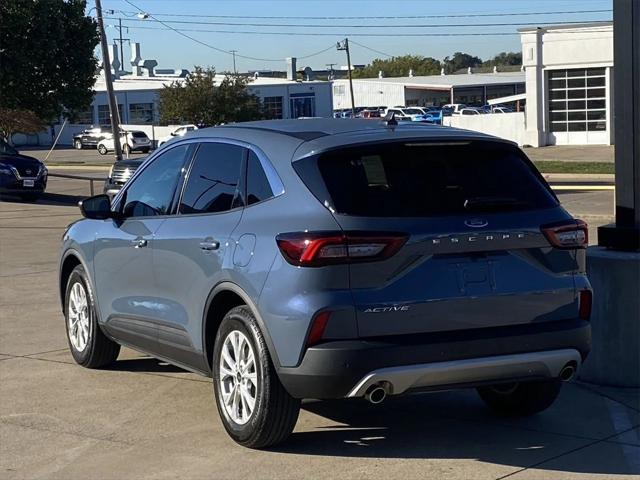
132 141
21 175
500 109
120 172
454 107
178 132
373 113
91 137
470 111
330 259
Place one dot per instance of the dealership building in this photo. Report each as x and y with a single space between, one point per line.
569 84
468 88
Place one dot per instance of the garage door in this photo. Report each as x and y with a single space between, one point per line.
577 106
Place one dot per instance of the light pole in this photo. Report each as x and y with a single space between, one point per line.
113 106
344 45
233 52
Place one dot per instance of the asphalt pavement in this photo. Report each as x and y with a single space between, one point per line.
143 418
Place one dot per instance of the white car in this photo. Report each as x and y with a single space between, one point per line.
132 141
178 132
470 111
455 107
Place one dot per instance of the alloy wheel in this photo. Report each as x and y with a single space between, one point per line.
238 377
78 317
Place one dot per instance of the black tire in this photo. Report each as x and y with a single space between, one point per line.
77 144
276 412
145 150
521 399
102 150
99 350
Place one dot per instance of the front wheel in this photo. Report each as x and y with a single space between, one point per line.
521 399
89 346
255 409
102 150
78 144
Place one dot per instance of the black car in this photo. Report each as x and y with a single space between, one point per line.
21 175
119 174
90 137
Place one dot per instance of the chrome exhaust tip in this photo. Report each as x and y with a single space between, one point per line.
375 394
567 373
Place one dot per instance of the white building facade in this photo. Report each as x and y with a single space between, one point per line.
569 84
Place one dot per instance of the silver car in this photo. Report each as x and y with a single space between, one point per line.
333 258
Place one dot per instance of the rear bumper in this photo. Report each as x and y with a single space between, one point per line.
437 361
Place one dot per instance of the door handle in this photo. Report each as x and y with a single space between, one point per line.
139 243
209 244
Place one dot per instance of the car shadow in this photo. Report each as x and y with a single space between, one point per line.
445 426
53 199
145 364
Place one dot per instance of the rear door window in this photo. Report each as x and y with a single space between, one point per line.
213 184
425 179
258 187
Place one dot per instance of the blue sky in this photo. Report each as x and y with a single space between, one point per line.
175 51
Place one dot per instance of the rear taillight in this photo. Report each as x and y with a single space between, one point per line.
570 235
317 249
585 300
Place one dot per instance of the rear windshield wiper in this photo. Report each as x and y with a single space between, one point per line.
494 203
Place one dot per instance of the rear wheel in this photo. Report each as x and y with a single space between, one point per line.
89 346
521 399
255 409
102 150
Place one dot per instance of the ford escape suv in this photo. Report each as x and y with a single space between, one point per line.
333 258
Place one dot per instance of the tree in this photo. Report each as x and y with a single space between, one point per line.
400 66
460 61
46 54
23 121
505 59
203 100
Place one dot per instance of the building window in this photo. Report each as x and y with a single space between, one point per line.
85 117
103 114
273 106
577 100
141 113
303 105
339 90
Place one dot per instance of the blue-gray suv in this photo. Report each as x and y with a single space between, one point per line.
333 258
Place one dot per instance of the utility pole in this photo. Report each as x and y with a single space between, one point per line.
121 41
344 45
330 65
233 52
106 63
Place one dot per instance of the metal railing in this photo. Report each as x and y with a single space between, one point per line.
80 177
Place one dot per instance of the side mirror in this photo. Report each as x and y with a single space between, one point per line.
97 207
173 134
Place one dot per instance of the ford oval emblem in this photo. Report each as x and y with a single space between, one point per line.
476 223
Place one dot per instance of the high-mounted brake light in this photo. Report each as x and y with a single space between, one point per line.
317 249
571 235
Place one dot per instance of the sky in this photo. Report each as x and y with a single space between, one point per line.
215 28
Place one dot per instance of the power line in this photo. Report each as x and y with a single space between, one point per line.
379 17
308 25
341 34
179 32
372 49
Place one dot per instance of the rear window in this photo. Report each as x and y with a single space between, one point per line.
425 179
139 134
